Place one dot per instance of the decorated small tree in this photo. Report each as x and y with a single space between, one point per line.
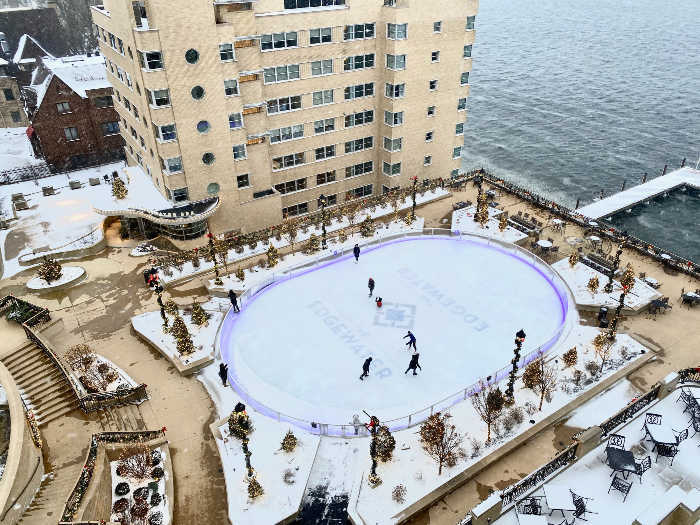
593 285
119 190
503 221
182 336
313 245
385 443
342 236
398 494
50 270
289 230
240 274
199 316
240 425
408 219
272 257
441 440
573 259
367 227
570 357
541 378
171 307
80 357
254 488
289 442
488 403
602 344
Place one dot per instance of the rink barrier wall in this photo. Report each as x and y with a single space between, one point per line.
566 297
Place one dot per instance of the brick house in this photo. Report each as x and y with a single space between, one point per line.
74 123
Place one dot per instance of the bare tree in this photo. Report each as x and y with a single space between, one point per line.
488 403
135 462
541 378
441 440
602 344
79 357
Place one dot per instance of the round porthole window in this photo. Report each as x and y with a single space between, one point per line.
208 158
213 188
192 56
197 92
202 126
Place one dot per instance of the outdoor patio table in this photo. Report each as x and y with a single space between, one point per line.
660 434
531 519
558 498
621 461
544 243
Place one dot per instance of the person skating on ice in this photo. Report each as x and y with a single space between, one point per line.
411 340
370 285
413 364
223 373
378 300
356 253
365 368
234 301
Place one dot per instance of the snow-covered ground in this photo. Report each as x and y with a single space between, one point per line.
298 346
68 275
577 278
15 149
608 402
463 221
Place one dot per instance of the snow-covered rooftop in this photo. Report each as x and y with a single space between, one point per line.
80 72
22 43
3 62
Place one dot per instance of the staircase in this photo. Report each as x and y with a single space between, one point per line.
47 505
42 386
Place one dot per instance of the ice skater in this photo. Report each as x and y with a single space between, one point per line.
223 373
365 368
234 301
413 364
378 300
356 253
370 285
411 340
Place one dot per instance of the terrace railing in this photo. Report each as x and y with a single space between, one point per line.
630 411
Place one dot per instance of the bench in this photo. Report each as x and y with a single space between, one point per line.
94 181
48 190
75 185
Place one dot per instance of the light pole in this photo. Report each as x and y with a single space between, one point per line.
322 201
413 210
519 340
477 181
608 288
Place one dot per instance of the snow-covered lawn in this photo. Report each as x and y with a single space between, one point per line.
68 275
463 221
15 149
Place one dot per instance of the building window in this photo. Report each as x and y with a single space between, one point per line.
363 168
471 20
464 79
302 4
287 133
302 207
321 35
208 158
331 200
15 116
235 121
133 132
392 144
136 111
457 152
112 41
321 98
391 169
396 31
459 129
325 152
324 126
325 178
353 146
358 62
288 161
435 56
231 87
239 152
429 136
110 128
462 104
281 73
396 62
432 85
359 91
180 194
127 104
197 92
427 160
104 101
437 27
395 90
291 186
358 31
431 111
362 191
393 119
243 181
280 105
158 97
360 118
9 94
322 67
151 60
173 165
203 126
468 51
166 132
192 56
213 188
63 108
71 133
278 41
226 53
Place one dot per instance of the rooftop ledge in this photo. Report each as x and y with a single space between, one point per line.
194 211
101 9
305 10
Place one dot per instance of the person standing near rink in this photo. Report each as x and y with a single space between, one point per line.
356 253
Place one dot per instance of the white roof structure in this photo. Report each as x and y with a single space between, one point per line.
17 58
80 72
3 62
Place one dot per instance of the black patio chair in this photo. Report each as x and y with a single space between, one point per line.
530 506
695 423
667 451
616 441
620 485
681 436
580 507
651 419
642 466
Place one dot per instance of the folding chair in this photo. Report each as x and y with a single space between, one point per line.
642 466
620 485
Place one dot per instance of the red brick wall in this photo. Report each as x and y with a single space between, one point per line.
85 116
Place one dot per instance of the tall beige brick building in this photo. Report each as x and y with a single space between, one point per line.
268 104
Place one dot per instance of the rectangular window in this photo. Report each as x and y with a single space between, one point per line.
136 111
286 133
164 133
395 90
358 62
239 152
127 104
279 41
435 56
464 79
457 152
291 186
322 67
151 60
432 85
393 119
363 168
112 41
321 98
392 144
396 31
280 105
303 4
281 73
226 52
427 160
462 104
9 94
133 132
63 107
359 91
391 169
471 20
468 51
120 45
396 62
231 87
110 128
322 35
358 31
437 27
431 111
360 118
362 191
71 133
324 126
15 116
104 101
325 178
142 142
429 136
243 181
353 146
235 121
331 200
158 97
325 152
173 165
180 194
302 207
459 129
288 161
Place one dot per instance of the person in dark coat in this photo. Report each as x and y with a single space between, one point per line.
356 253
411 340
365 368
234 301
370 285
223 373
413 364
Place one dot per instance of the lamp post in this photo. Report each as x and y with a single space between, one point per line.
413 210
519 340
322 201
477 181
608 288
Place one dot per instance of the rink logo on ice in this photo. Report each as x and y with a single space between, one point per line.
396 315
347 335
435 295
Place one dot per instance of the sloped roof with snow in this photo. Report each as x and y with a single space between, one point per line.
22 46
80 72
